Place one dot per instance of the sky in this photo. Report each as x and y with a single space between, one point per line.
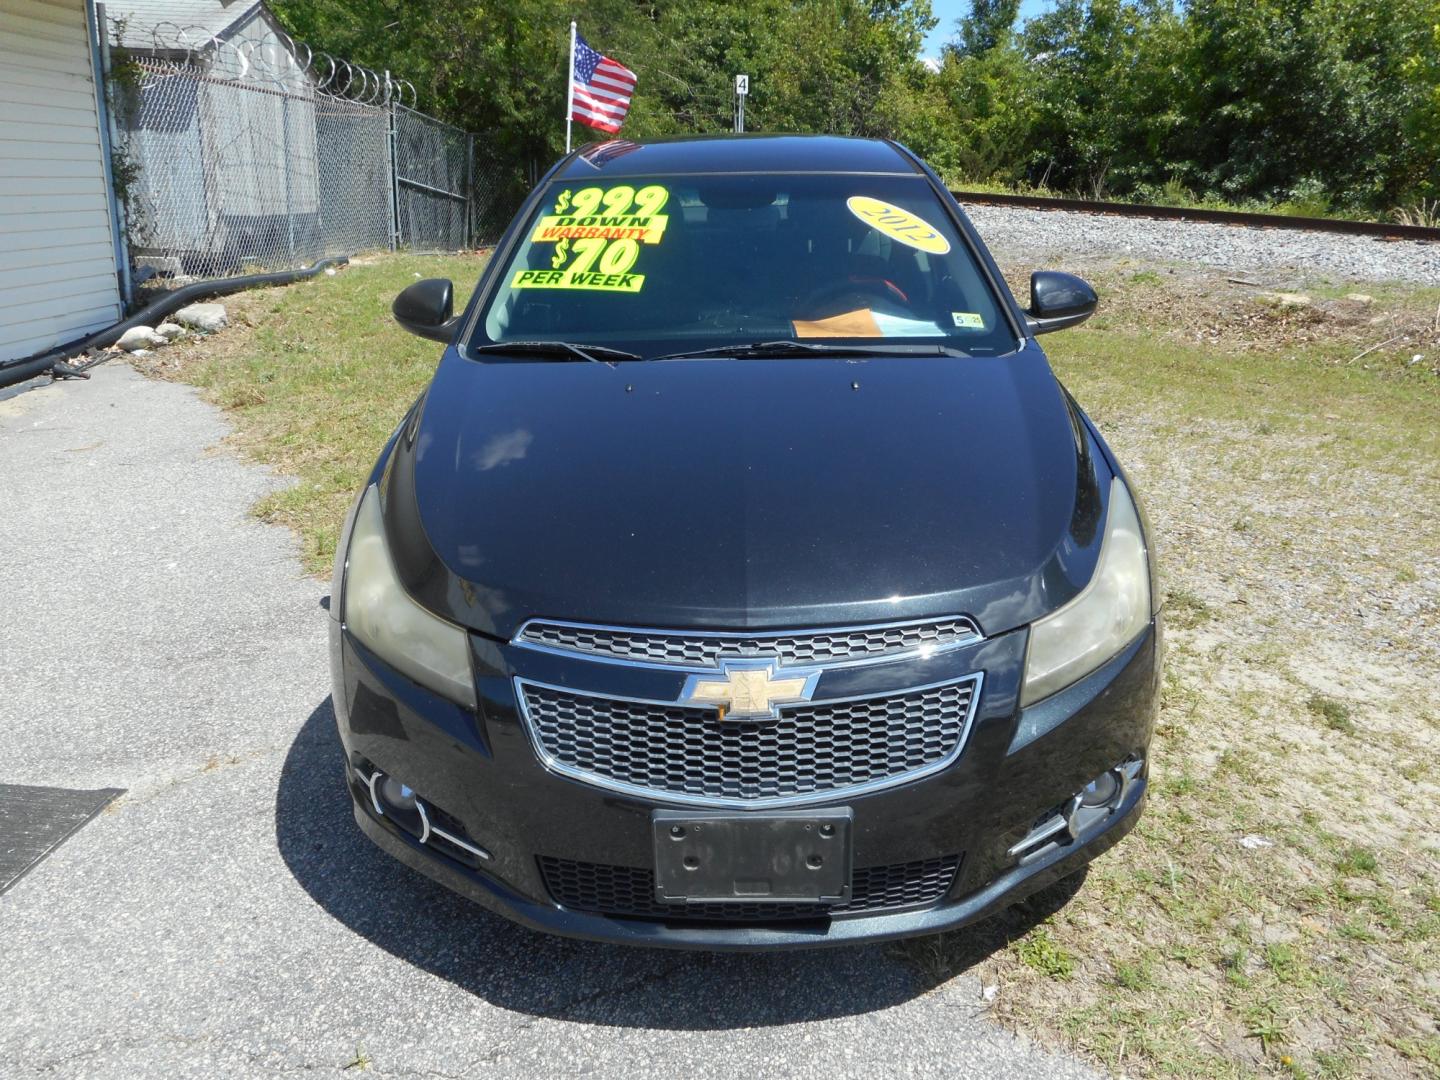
948 11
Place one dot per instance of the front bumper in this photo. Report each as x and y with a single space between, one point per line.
1018 767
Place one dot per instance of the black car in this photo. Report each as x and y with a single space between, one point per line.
745 578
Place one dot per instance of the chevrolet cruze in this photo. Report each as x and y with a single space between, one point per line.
744 578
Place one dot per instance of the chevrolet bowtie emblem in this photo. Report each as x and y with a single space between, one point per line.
750 689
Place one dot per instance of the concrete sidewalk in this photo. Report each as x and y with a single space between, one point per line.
225 915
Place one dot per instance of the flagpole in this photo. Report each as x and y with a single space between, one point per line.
570 88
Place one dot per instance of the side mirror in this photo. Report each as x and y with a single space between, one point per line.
426 308
1058 300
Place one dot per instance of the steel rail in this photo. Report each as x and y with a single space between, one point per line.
1376 229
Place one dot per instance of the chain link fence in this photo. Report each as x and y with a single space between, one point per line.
232 174
433 165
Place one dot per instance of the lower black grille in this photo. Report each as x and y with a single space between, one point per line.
630 890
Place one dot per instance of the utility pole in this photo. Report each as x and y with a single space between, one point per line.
742 91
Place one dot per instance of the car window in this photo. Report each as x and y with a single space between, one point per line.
663 264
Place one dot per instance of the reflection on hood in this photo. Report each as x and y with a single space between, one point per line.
502 449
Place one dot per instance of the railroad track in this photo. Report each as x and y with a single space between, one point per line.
1375 229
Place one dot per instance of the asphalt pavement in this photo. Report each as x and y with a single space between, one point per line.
224 915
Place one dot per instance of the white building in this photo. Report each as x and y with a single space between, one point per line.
225 139
59 234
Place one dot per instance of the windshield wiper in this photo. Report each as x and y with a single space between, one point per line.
763 349
559 350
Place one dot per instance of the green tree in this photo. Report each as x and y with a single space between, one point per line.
989 25
1110 78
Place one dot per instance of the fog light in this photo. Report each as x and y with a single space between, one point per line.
393 793
397 802
1100 791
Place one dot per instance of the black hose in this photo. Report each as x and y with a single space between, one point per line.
15 371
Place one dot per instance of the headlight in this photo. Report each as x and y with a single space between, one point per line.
1104 618
381 615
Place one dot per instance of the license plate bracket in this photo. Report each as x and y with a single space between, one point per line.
757 857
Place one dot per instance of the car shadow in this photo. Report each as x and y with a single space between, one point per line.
421 922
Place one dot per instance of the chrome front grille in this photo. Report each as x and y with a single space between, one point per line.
705 650
630 891
816 750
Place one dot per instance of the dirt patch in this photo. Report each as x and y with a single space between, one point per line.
1384 327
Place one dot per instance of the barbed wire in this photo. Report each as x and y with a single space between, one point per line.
279 59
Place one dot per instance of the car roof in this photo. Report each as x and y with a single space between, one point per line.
737 154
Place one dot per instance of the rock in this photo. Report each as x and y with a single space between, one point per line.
1360 298
1291 299
330 271
170 331
1253 842
140 337
204 317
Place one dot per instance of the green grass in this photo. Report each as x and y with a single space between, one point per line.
1335 713
1357 860
1185 610
1040 952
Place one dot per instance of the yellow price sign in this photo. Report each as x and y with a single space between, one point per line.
618 213
553 227
613 202
598 264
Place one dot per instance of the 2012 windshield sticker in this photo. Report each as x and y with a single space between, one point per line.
898 224
602 228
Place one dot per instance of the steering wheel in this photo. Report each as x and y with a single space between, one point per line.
878 287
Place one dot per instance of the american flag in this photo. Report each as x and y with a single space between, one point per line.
601 89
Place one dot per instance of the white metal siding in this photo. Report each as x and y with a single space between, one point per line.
57 258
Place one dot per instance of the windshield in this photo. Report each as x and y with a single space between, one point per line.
661 265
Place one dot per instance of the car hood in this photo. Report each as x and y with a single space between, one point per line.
745 494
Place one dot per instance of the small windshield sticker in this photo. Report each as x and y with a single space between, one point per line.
597 233
968 320
897 224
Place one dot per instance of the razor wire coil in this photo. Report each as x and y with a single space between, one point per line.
262 154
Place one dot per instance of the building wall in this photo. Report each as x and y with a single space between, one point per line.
226 144
276 129
57 256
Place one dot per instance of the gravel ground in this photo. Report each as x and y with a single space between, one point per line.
1021 237
226 915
